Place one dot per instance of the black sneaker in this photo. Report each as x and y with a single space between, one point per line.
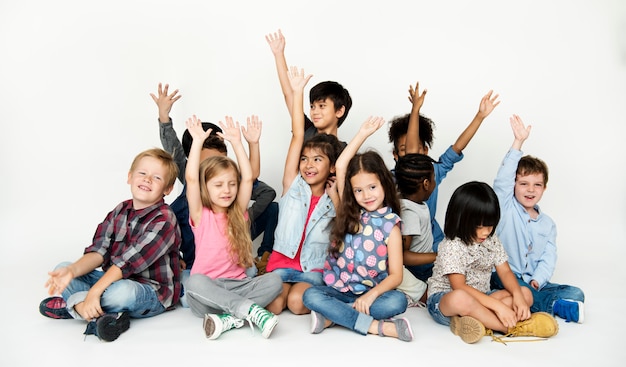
55 308
110 326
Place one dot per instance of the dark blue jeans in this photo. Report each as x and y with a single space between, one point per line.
544 299
266 224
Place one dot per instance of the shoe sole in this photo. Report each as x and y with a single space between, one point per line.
110 328
409 336
54 311
468 328
210 328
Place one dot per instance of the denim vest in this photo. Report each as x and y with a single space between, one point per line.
292 212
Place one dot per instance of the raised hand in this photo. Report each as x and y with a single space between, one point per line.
370 125
276 42
231 130
165 101
252 130
415 98
520 132
194 125
297 79
487 104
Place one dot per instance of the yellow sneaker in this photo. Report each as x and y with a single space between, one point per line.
468 328
540 324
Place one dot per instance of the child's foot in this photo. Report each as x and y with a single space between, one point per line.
263 319
468 328
540 324
108 327
214 325
55 308
569 310
403 328
319 322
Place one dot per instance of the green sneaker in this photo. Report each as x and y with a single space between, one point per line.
263 319
214 325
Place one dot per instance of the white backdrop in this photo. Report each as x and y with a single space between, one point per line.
75 79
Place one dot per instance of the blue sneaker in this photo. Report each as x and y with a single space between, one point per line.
569 310
55 308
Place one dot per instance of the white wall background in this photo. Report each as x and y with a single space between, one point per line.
75 79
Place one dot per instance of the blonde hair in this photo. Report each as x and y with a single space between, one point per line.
238 227
166 159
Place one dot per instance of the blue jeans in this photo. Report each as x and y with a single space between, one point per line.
543 299
266 223
432 303
296 276
138 299
336 306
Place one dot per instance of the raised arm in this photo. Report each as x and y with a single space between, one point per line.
277 43
520 132
412 135
367 128
252 133
232 133
297 81
487 104
192 172
169 140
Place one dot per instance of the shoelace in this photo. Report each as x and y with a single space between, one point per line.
257 316
233 322
500 339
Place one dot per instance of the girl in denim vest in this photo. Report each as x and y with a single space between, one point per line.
305 208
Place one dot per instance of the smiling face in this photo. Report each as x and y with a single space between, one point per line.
368 191
148 182
222 189
529 190
315 168
324 115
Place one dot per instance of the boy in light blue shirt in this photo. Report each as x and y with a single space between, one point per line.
528 234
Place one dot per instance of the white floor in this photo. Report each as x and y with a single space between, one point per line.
177 337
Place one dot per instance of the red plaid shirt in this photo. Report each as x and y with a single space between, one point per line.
144 244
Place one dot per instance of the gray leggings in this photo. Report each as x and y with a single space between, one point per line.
232 296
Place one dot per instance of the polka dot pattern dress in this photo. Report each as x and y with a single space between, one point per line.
362 262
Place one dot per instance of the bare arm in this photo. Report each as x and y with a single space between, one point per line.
487 104
192 171
298 80
277 44
367 128
393 280
232 133
252 133
412 135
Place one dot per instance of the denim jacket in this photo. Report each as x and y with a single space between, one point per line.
292 213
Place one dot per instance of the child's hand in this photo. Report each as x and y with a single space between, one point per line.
487 104
252 132
276 42
331 187
58 281
415 98
164 101
520 132
231 130
371 125
194 126
297 79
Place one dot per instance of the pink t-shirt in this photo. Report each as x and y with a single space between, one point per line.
280 261
212 256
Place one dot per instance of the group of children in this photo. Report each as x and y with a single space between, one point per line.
349 242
